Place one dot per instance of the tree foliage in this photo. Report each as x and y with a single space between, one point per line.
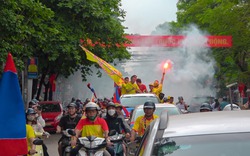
219 17
51 30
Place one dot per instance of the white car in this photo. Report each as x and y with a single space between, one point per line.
130 101
220 133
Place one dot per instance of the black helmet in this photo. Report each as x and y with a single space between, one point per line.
149 104
91 106
110 104
206 106
72 105
30 111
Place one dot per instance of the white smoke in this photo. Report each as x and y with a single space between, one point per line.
193 64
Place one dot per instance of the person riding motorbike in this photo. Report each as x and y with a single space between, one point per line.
68 121
92 125
30 133
116 122
142 122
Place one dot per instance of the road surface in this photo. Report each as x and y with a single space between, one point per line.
51 143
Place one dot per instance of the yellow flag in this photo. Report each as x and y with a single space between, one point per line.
113 73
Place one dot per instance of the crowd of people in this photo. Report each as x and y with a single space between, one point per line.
98 117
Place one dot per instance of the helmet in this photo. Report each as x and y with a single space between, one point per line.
224 98
206 106
91 106
228 107
117 105
35 101
110 104
30 111
72 105
149 104
180 98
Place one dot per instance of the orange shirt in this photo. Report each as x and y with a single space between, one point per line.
90 128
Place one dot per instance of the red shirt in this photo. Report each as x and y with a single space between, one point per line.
90 128
143 88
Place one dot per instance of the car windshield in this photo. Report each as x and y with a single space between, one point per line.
204 145
51 107
134 101
171 111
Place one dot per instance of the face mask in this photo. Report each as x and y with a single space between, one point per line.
111 112
30 118
92 118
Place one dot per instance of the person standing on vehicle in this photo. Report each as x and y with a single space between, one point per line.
181 104
158 86
142 86
68 121
92 125
151 87
142 122
132 87
123 87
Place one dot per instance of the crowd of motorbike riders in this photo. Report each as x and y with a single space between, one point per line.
87 119
100 117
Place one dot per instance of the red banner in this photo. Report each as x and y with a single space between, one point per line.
175 41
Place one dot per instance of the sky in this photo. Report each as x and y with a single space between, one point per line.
144 15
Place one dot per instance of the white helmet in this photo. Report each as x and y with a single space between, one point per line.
228 107
92 106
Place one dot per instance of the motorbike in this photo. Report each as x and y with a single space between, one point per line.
39 148
40 134
117 140
90 145
66 143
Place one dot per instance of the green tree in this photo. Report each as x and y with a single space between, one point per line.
218 17
51 31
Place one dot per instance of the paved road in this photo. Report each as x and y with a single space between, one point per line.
51 143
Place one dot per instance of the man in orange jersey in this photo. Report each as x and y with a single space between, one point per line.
92 125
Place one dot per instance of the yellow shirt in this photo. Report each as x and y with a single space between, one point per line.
141 123
123 89
131 88
30 133
157 90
